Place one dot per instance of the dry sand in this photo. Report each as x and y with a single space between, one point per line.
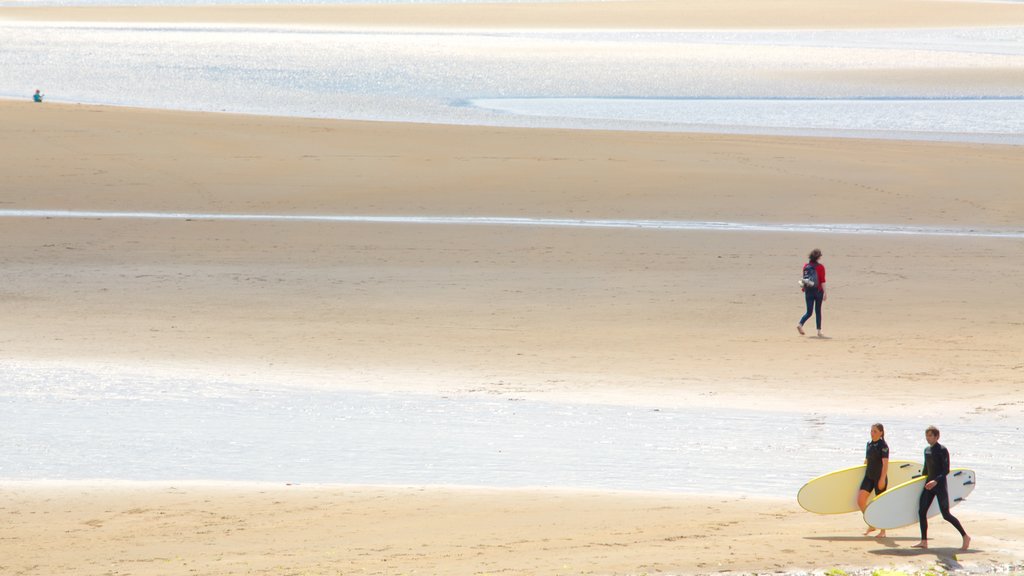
634 316
661 14
278 530
646 317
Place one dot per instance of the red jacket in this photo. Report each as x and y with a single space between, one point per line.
821 277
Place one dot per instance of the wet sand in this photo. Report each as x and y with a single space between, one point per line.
262 529
618 315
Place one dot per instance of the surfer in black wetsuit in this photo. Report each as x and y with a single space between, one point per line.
936 467
876 476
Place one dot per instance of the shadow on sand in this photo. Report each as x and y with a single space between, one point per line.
888 541
945 557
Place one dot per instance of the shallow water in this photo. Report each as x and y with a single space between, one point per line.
879 83
637 224
62 422
983 120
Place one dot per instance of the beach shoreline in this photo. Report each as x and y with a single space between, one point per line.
631 317
472 308
795 85
162 528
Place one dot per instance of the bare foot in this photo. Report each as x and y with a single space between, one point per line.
923 544
870 530
800 329
881 534
967 542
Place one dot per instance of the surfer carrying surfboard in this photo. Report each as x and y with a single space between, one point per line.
936 468
876 477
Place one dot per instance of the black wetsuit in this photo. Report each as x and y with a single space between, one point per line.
875 453
936 467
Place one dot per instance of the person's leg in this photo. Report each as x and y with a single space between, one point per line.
862 503
818 296
943 495
867 486
878 492
862 499
809 300
922 516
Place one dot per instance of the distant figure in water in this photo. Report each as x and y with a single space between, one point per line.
37 97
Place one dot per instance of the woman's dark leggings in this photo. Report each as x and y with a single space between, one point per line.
927 496
813 298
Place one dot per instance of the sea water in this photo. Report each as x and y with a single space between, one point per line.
900 83
66 422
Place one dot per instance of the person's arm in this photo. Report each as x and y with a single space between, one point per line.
942 464
884 472
821 281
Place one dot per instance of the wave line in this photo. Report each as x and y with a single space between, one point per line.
643 224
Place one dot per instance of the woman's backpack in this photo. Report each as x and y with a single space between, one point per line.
810 279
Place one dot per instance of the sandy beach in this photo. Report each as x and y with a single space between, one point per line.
627 316
619 315
273 530
615 14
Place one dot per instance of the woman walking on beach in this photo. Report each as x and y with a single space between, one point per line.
813 285
936 467
876 475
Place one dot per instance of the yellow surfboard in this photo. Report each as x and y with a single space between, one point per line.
836 492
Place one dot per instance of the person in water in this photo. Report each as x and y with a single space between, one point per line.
813 295
876 475
936 468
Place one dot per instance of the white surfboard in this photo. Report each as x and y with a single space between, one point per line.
897 506
836 492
